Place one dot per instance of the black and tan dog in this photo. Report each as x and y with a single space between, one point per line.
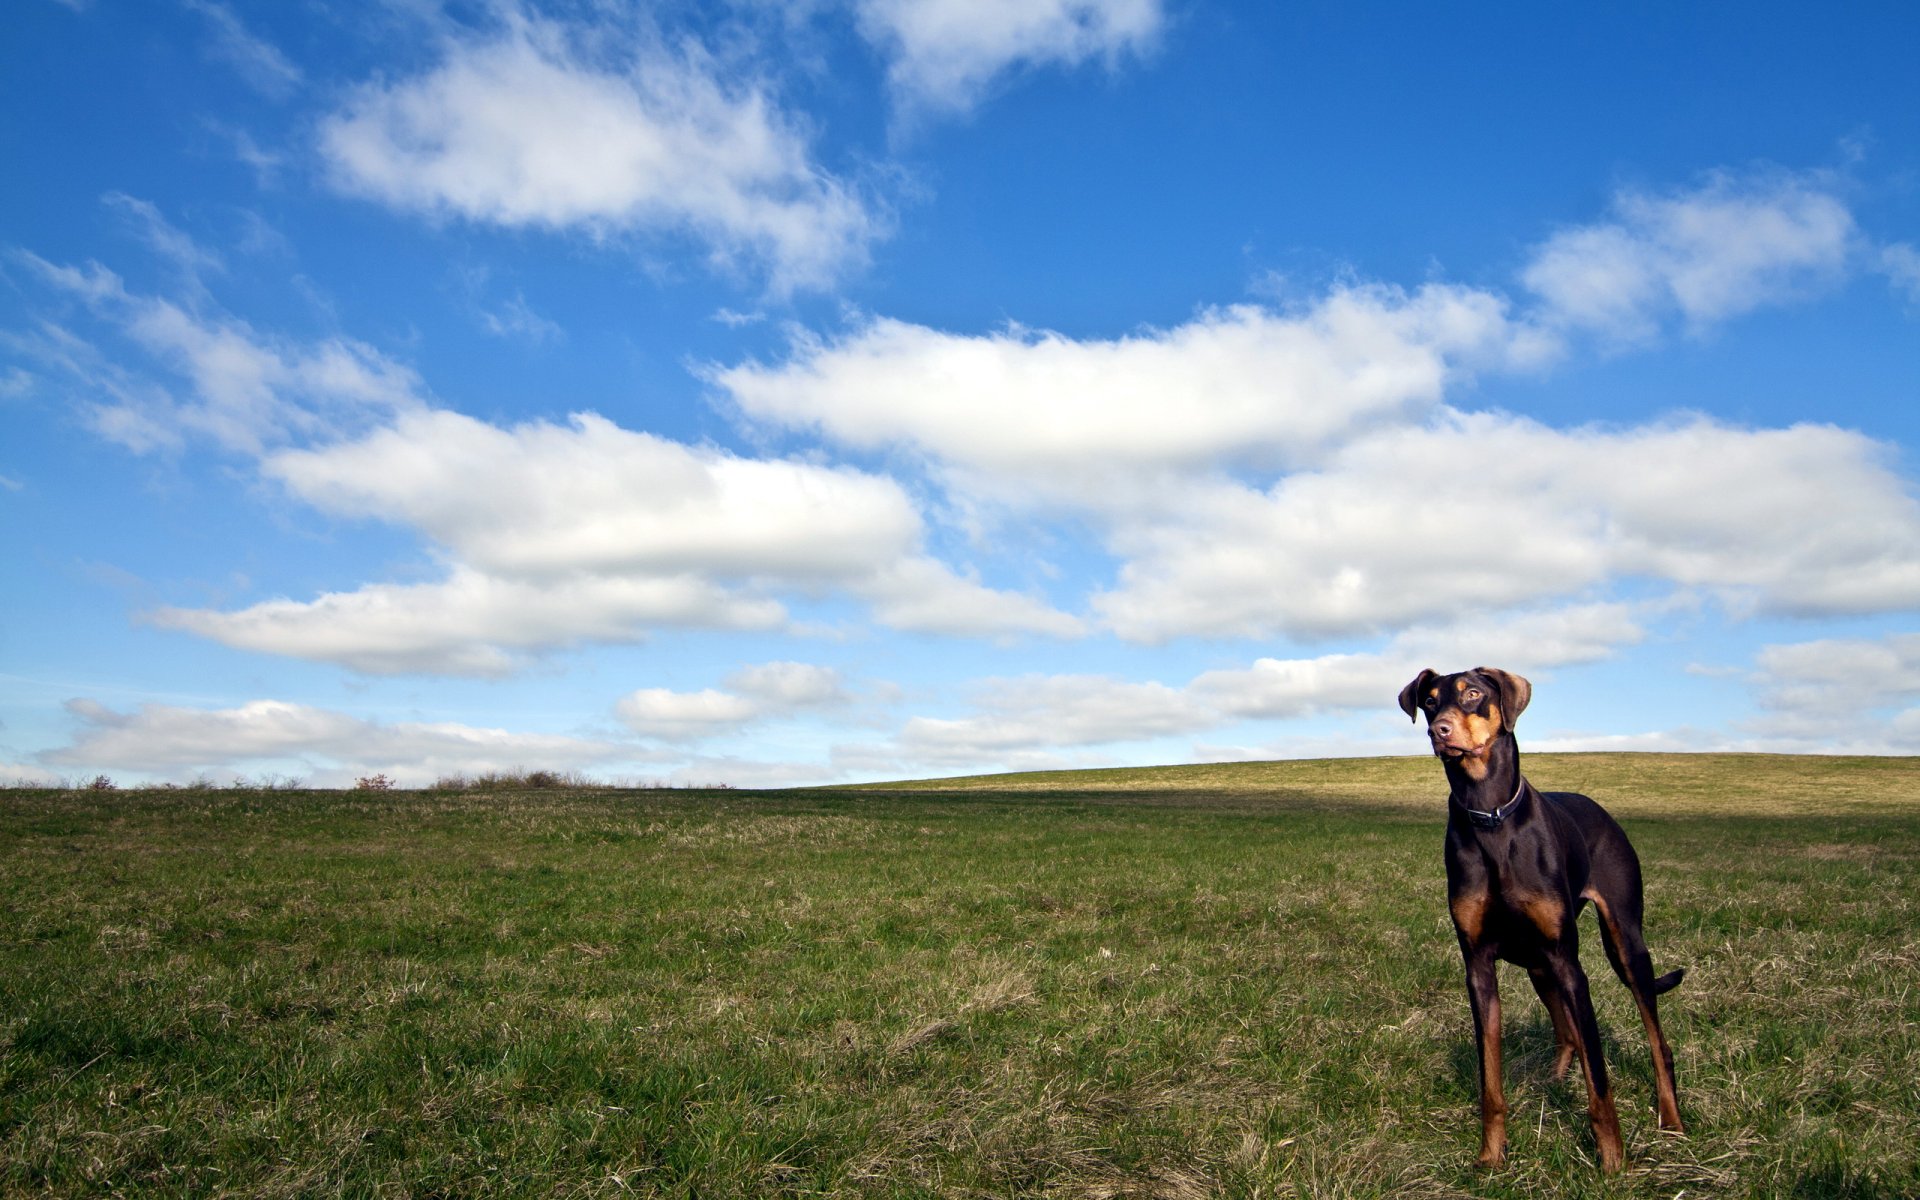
1521 864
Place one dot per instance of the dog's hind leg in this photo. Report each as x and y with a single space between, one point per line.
1626 950
1563 962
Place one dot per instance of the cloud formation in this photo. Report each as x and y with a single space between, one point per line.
1237 385
1045 721
944 54
258 61
472 623
1485 510
557 535
227 382
335 747
1838 695
752 694
1737 242
522 129
1310 473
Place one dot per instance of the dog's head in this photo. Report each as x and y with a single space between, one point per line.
1468 710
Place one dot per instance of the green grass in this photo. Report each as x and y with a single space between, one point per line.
1234 981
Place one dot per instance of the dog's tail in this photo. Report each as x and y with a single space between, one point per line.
1669 981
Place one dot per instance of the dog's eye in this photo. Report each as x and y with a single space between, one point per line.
1473 693
1430 702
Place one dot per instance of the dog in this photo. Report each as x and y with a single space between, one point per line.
1521 864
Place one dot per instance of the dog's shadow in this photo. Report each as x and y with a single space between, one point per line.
1527 1048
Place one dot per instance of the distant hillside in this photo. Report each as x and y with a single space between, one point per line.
1642 784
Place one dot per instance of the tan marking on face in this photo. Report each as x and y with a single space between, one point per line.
1482 728
1469 914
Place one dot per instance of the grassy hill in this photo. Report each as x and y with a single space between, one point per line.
1187 982
1749 784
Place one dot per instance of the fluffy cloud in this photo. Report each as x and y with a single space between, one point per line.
1845 676
926 595
333 746
542 498
1838 695
473 623
1485 511
684 716
1300 473
1242 384
1736 243
522 130
944 53
561 534
764 692
1035 712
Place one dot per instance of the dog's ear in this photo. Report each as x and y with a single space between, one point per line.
1515 691
1410 694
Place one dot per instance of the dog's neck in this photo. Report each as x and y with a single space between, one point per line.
1485 783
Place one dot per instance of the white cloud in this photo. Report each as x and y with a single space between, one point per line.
1242 384
521 130
789 686
1483 510
16 382
1838 696
944 54
1842 676
555 535
1901 263
244 390
164 238
1736 243
541 498
1033 713
515 318
925 595
259 62
473 623
759 693
333 746
1038 722
266 164
684 716
1380 496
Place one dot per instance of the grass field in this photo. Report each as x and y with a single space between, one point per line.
1189 982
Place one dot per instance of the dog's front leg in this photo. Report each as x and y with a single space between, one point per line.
1483 994
1572 981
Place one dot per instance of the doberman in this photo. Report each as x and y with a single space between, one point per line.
1521 864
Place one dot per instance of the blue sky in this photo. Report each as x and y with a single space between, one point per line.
771 393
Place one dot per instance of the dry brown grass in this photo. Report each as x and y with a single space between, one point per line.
1758 785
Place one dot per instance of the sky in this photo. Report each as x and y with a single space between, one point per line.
761 393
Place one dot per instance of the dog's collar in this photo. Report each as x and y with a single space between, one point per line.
1498 817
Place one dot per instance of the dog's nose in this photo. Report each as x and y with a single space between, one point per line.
1442 729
